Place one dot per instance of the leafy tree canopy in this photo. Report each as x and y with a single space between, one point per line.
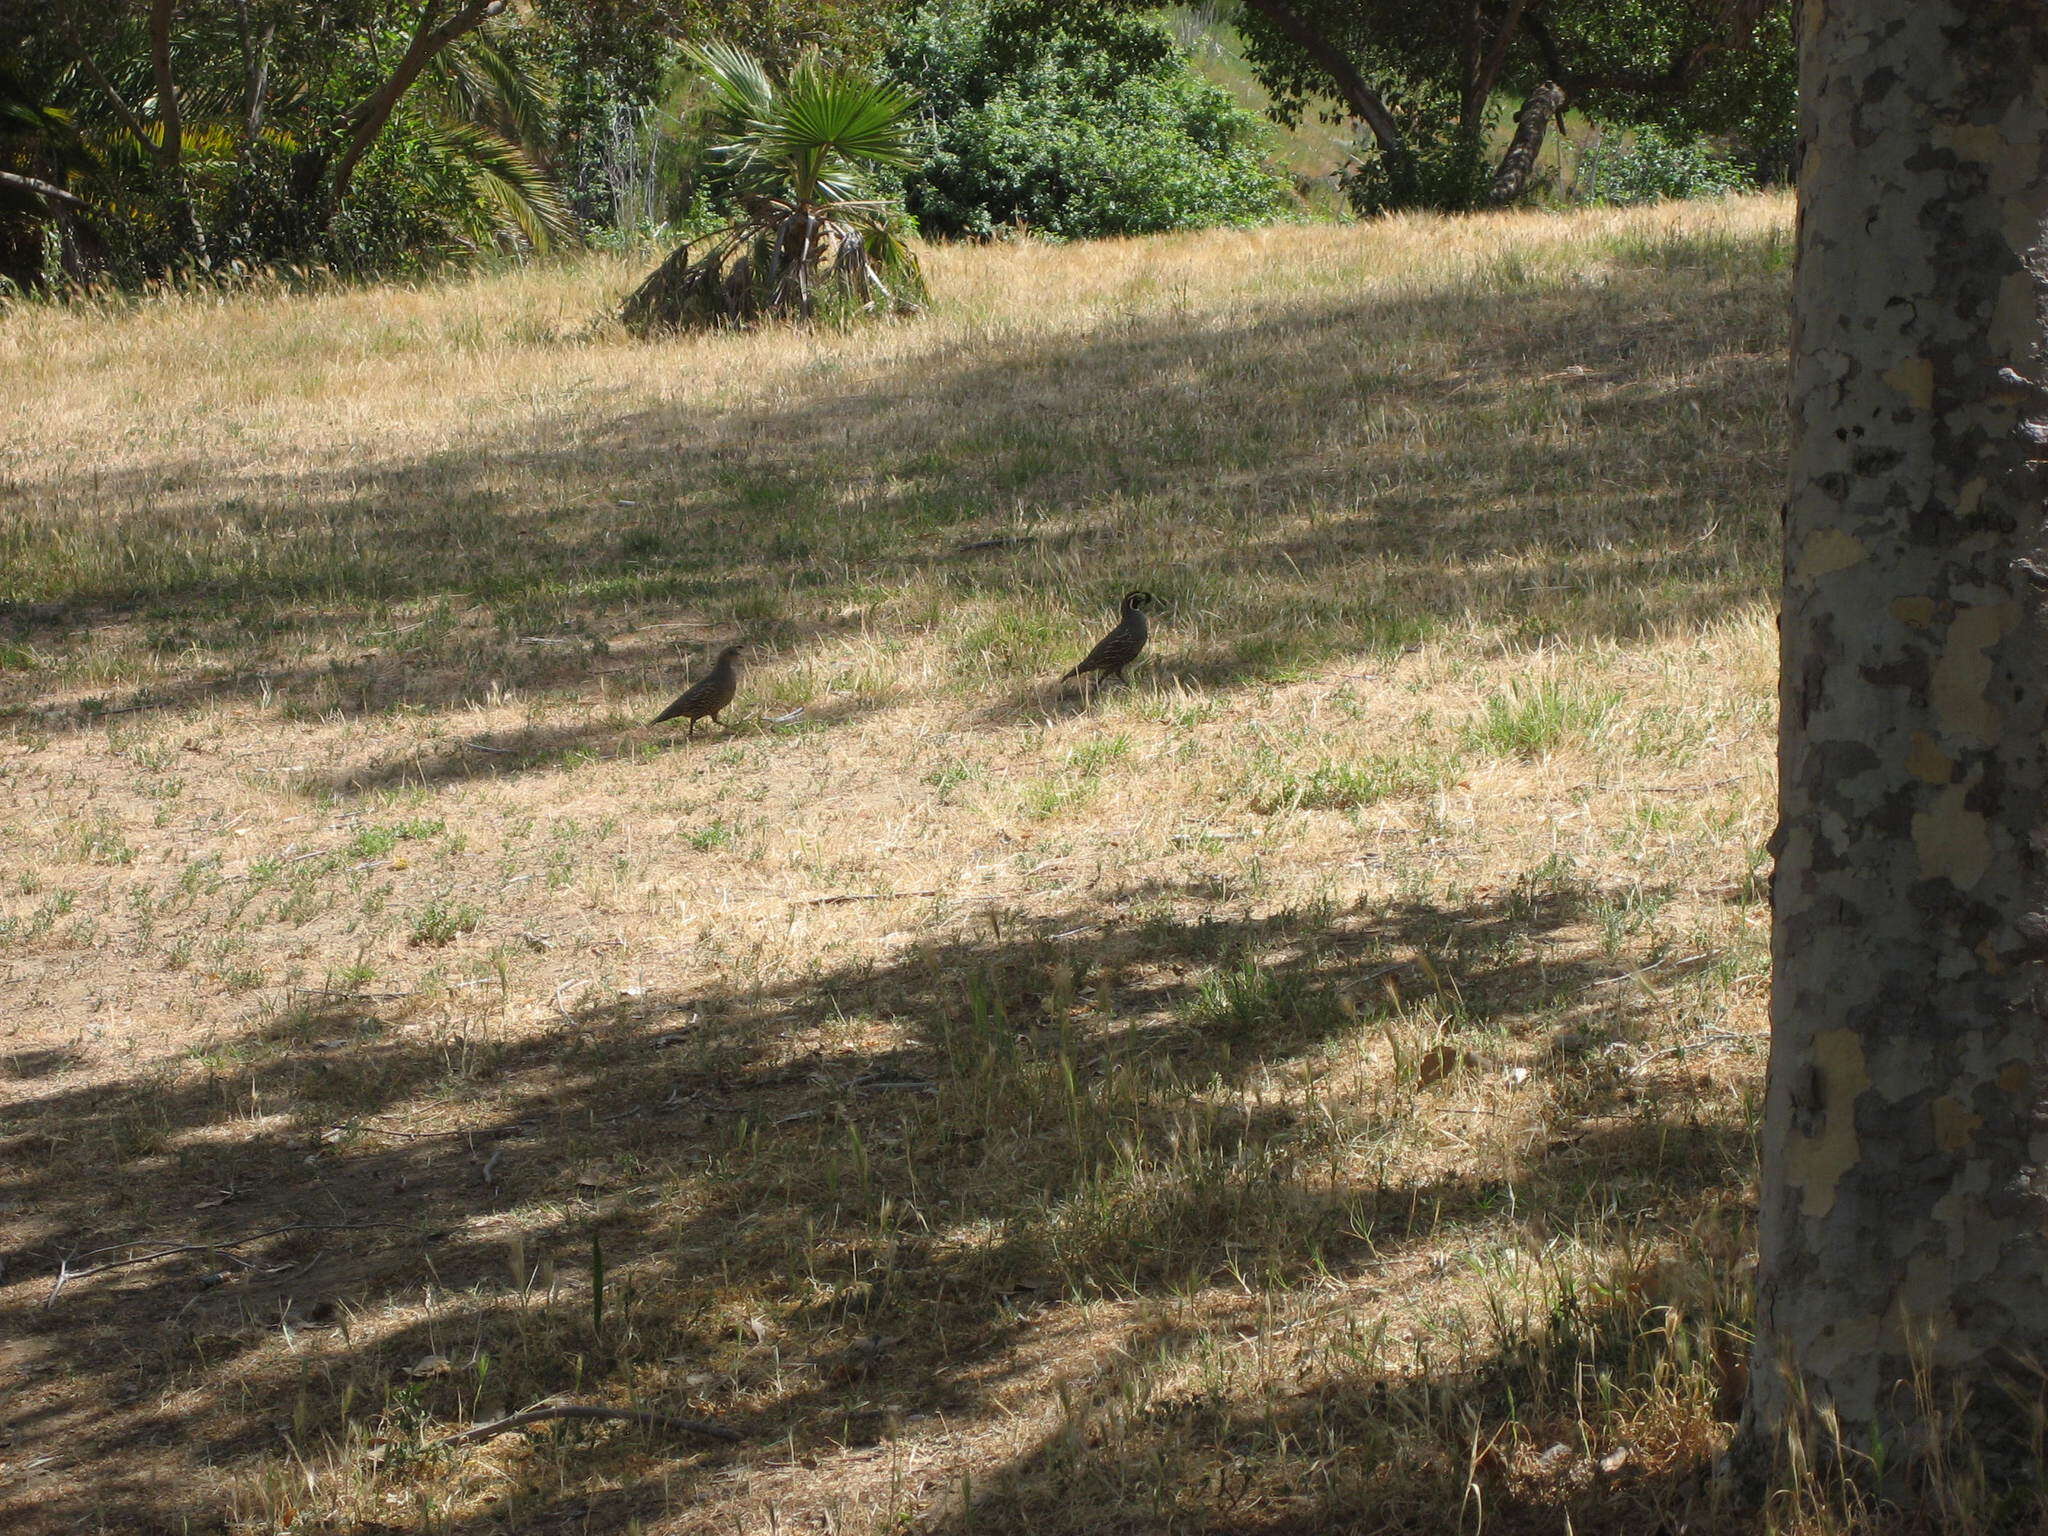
1425 78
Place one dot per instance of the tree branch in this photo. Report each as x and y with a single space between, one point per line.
255 69
122 110
1546 44
1361 98
1488 75
41 188
428 40
66 1274
167 116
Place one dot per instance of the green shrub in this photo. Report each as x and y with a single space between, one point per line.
1653 164
1446 167
442 922
1075 126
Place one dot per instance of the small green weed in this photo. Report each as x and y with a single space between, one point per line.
1339 785
375 842
441 922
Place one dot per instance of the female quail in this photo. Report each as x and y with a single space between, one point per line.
1120 647
709 694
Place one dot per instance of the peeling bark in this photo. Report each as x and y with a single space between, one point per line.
1903 1225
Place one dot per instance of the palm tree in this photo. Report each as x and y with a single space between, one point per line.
485 116
813 236
255 161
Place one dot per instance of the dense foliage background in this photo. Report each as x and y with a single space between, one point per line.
149 139
1072 124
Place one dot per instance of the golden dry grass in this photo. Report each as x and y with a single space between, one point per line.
1309 1089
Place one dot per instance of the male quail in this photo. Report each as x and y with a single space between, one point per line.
709 694
1120 647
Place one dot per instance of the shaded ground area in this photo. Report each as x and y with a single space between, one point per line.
1058 1123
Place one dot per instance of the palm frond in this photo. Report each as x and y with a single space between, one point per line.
741 87
823 111
492 87
503 177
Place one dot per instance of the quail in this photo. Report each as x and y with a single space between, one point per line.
709 694
1120 647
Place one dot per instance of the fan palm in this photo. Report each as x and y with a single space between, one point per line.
813 236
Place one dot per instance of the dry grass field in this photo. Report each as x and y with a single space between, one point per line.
1309 1089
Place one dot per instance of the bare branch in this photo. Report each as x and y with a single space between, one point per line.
66 1274
255 69
1488 73
122 110
41 188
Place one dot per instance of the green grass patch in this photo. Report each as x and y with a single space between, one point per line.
1536 719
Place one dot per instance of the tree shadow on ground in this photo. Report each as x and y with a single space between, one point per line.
1433 486
496 755
926 1150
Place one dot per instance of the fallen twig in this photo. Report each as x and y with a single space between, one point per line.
1687 789
496 1133
548 1411
836 900
1714 1037
1705 954
129 709
567 1017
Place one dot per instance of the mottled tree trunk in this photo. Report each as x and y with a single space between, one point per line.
1532 123
1904 1221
